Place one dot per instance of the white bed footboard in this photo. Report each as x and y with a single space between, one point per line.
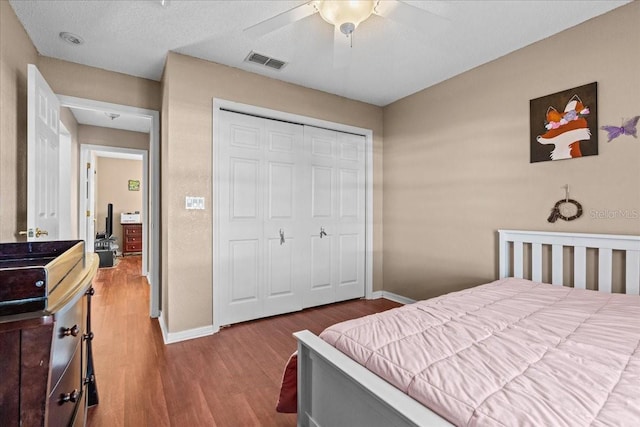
335 391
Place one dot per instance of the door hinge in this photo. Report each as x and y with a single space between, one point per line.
88 214
88 165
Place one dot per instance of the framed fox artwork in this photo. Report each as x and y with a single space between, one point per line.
564 125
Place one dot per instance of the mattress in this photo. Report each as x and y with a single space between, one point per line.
511 352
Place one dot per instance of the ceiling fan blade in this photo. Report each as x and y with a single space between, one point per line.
281 20
341 49
411 16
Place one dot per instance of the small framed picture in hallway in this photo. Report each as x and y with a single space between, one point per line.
134 185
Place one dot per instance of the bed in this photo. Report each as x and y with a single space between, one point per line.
335 390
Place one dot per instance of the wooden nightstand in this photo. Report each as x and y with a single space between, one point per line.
132 239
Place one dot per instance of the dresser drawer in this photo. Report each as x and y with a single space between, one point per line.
68 329
133 247
67 394
132 230
133 239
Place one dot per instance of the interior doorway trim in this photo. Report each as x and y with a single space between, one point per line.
153 184
221 104
67 229
87 153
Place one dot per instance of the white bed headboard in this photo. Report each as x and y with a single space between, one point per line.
512 246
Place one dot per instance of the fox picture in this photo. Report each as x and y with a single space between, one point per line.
566 130
564 134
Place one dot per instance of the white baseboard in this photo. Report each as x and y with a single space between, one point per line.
189 334
376 295
163 328
392 297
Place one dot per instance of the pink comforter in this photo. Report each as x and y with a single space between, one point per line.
509 353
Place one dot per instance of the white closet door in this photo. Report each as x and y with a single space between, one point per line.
335 216
350 213
281 184
241 217
284 255
259 189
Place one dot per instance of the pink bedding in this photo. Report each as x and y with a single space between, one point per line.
509 353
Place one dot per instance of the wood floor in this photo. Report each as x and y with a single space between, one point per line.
229 379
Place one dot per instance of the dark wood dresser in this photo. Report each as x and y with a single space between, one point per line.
132 238
46 363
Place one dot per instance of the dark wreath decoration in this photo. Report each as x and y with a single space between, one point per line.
556 212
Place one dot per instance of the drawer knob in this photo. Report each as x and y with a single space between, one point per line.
87 337
72 331
70 397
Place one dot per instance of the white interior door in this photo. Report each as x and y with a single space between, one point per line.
90 196
336 218
43 157
86 199
260 231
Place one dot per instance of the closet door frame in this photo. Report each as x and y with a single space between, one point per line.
220 105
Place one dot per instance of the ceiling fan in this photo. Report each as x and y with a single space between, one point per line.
345 16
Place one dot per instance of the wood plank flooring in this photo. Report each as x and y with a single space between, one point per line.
229 379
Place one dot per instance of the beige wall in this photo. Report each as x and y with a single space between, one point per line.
456 157
16 51
82 81
94 135
190 86
112 179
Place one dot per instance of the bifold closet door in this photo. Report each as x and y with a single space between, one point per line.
291 217
336 216
260 234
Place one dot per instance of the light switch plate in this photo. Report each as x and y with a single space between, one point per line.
194 202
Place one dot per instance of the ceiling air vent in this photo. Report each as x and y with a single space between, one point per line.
257 58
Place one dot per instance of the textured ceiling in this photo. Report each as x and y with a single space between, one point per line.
388 61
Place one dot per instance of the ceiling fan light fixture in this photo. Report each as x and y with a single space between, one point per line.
346 14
